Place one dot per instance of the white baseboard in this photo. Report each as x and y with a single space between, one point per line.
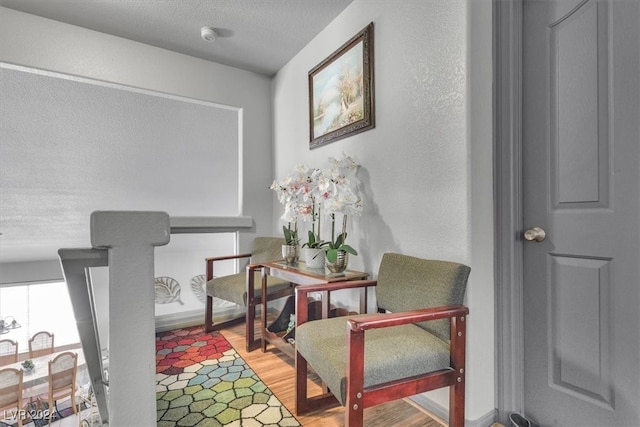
443 413
187 319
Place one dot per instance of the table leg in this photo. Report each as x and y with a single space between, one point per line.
263 312
251 311
325 304
363 300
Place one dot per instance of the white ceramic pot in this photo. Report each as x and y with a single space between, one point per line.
314 257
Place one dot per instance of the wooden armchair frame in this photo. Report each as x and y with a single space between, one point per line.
208 311
357 397
250 314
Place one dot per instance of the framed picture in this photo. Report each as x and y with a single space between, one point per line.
341 91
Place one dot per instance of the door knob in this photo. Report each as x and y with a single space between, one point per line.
535 234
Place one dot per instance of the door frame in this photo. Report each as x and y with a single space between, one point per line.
508 206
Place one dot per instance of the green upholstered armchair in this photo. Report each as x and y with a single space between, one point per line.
415 343
235 287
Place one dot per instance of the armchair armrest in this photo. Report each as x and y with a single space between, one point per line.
210 260
253 266
225 257
302 308
384 320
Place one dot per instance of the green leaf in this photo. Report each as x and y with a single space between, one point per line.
332 255
290 236
339 241
349 249
312 242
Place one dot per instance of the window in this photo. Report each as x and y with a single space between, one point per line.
39 307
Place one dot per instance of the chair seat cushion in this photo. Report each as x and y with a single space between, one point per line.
234 287
390 353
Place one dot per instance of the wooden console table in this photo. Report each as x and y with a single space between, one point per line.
301 275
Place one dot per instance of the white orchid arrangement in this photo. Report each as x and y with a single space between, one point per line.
308 192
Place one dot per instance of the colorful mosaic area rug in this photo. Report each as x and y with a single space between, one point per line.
202 381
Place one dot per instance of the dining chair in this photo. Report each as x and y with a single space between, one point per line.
8 352
234 287
40 344
415 343
62 381
85 398
11 395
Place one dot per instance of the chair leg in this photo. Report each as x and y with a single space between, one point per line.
51 405
456 405
301 385
456 390
208 314
250 317
354 405
354 415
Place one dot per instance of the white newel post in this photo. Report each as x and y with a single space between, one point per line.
130 238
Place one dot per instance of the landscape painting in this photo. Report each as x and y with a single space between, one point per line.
341 91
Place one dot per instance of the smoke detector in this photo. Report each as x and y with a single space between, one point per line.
208 34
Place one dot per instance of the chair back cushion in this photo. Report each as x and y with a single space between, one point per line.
266 249
408 283
233 287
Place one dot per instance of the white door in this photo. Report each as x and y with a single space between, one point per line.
581 161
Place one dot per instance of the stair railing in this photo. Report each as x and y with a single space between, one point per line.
125 241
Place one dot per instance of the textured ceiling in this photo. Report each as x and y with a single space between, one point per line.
256 35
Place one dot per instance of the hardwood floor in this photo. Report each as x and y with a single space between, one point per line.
277 372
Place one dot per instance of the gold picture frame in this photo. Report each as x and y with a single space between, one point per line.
341 91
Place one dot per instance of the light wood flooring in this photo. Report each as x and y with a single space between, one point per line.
277 372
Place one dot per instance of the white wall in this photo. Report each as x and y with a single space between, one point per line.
426 167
